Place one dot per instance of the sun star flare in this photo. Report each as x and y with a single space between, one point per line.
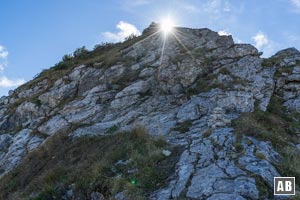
167 26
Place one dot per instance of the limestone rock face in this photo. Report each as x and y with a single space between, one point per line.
288 79
198 78
59 92
19 145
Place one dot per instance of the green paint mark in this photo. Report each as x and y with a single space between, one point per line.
133 181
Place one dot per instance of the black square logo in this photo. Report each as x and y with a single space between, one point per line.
284 185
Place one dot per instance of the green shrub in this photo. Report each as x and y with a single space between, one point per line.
203 84
270 62
238 147
183 127
296 197
260 155
290 164
225 71
103 46
61 65
112 129
67 57
80 52
201 51
130 37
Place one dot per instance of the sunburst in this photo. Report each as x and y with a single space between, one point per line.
167 26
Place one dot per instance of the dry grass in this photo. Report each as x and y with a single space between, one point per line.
275 125
89 164
290 165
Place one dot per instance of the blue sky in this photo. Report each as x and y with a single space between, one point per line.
34 35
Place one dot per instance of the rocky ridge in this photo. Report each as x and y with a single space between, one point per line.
204 84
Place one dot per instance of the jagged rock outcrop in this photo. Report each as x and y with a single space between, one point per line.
288 77
197 76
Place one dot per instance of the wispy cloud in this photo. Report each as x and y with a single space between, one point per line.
3 57
138 2
213 6
296 6
213 12
217 6
291 37
130 5
125 30
2 65
3 52
6 83
238 40
190 8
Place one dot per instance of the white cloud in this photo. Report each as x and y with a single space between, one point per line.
213 7
125 30
5 82
139 2
224 32
190 8
260 40
264 44
227 7
130 5
291 37
296 5
3 52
